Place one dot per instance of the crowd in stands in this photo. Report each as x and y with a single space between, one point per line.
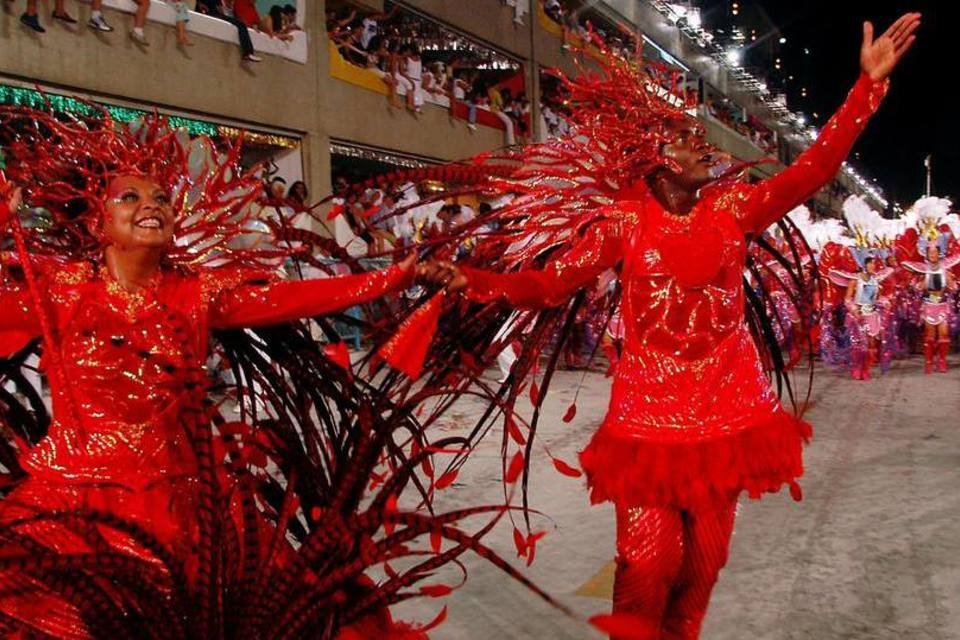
750 128
421 62
276 193
577 20
381 219
280 22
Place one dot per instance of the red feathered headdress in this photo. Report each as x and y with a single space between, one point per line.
65 163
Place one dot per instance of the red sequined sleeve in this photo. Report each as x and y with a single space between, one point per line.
773 198
19 323
253 305
18 312
600 248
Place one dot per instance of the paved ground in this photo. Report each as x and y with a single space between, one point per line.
873 552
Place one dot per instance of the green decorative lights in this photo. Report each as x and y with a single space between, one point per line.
23 97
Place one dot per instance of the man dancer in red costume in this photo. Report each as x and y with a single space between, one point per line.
693 420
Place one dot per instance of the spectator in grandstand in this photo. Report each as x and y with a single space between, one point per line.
389 64
224 10
337 24
181 18
283 20
520 9
434 80
526 113
710 106
370 28
97 22
246 12
139 22
288 19
349 45
274 191
571 26
553 9
297 194
411 70
499 98
476 96
29 17
518 110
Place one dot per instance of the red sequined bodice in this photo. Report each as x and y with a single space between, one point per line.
131 360
682 280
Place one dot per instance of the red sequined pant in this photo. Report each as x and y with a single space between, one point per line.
667 563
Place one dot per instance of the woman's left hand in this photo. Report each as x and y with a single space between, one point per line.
879 57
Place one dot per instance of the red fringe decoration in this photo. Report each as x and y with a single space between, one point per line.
407 350
688 475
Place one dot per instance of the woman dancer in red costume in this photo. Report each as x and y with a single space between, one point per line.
131 517
128 340
693 420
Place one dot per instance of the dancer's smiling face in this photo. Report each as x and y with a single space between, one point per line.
138 213
933 254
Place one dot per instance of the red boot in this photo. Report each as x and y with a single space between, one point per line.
944 350
868 362
857 372
610 350
928 348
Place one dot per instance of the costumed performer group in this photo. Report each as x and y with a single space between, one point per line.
123 295
889 285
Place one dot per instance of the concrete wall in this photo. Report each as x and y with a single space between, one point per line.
357 115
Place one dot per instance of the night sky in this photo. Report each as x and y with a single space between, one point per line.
920 114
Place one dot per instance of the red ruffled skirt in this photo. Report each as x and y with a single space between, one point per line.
758 460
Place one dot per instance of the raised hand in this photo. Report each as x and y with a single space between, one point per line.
879 57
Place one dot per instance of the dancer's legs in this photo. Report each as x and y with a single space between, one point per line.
872 357
706 544
929 346
943 346
650 545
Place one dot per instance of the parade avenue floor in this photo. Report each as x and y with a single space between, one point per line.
872 552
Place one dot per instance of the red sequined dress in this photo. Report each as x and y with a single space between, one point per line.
692 418
133 361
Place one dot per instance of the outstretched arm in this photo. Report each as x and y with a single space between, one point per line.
600 248
275 303
771 199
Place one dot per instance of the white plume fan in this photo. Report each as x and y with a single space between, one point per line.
865 223
930 208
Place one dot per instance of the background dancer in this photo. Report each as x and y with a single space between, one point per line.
936 281
866 309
